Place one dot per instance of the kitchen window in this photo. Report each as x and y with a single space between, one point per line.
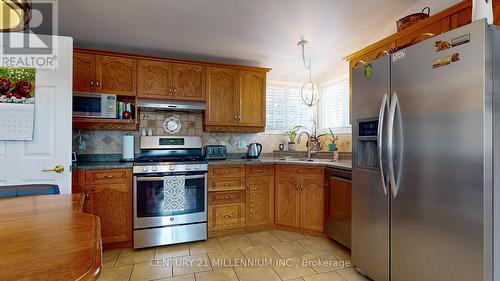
334 106
285 108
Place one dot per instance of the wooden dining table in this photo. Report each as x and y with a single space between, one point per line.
47 237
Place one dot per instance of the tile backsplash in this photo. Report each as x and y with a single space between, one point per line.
110 142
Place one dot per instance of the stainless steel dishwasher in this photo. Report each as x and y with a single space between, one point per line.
338 208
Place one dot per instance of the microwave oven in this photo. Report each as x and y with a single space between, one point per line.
94 105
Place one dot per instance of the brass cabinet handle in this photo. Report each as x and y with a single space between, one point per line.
227 216
260 171
108 177
227 197
58 169
92 83
226 184
175 90
97 84
299 171
226 172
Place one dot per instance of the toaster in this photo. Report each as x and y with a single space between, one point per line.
215 152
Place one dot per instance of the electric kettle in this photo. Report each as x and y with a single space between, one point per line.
254 150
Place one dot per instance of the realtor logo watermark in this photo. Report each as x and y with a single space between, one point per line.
34 46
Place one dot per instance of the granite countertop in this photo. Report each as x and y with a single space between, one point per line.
341 164
102 165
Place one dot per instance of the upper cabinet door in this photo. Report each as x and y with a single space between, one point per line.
252 99
153 79
83 72
222 97
116 75
188 82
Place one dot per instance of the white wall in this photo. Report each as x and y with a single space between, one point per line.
389 28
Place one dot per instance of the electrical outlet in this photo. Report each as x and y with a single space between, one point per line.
242 144
82 145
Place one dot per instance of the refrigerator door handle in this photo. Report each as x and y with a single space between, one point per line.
380 139
393 109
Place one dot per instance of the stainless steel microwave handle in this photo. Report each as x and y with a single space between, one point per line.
390 144
161 178
380 139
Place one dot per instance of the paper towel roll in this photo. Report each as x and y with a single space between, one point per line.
128 147
482 9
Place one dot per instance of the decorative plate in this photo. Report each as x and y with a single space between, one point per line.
172 125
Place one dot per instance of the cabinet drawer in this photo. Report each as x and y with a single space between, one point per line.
109 176
226 197
228 216
227 184
218 172
259 170
298 170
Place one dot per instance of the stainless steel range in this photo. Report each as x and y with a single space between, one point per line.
170 191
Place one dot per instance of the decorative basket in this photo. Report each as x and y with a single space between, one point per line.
412 19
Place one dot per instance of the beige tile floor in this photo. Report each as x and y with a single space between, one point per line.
266 255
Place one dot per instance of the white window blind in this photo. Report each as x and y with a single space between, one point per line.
285 109
335 105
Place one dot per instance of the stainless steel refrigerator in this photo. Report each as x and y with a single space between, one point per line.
426 136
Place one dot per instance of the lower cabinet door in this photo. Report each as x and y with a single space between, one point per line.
229 216
260 200
287 201
312 203
112 203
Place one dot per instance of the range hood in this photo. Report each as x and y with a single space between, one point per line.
158 104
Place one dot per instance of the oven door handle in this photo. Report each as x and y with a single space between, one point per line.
161 178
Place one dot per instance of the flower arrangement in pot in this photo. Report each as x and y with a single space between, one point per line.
292 136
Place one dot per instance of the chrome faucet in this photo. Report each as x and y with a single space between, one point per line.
307 145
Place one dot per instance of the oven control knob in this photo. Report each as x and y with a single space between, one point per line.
154 169
188 167
196 167
171 167
145 169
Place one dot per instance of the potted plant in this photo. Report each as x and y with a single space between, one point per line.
292 136
332 146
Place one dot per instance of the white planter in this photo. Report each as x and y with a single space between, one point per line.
292 146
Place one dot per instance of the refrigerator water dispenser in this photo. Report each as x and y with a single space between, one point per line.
367 156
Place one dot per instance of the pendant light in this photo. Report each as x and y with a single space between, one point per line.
14 15
309 91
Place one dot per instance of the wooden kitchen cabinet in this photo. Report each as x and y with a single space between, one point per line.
173 81
426 32
104 73
226 199
153 79
83 72
287 208
116 75
300 197
77 182
312 197
226 211
252 111
222 97
188 82
372 55
259 196
236 100
109 196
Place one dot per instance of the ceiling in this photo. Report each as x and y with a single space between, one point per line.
257 32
